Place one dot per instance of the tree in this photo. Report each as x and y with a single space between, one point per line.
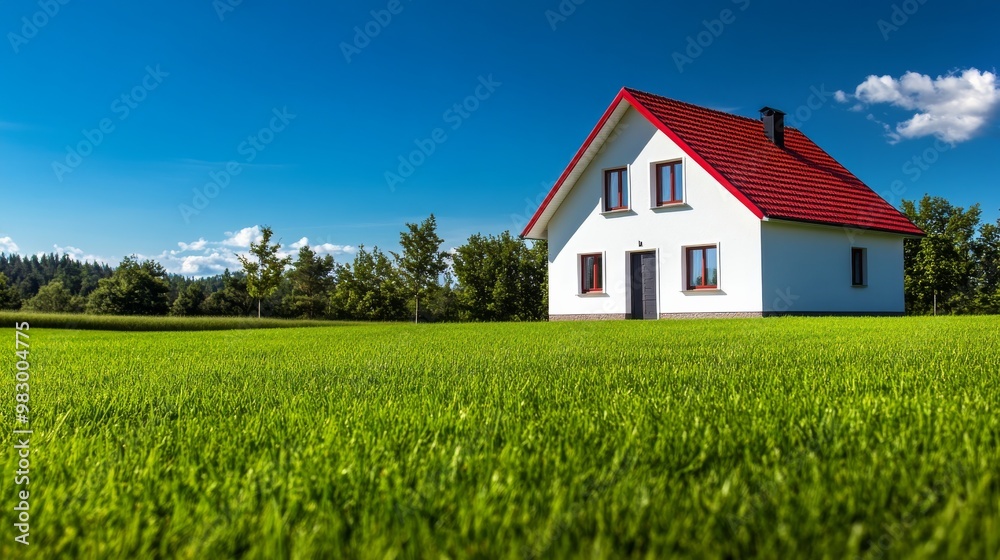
54 297
986 251
189 302
232 300
10 297
134 289
311 281
422 262
502 278
538 276
940 267
369 289
264 274
441 303
30 274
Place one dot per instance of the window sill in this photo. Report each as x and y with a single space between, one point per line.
705 291
671 206
593 294
859 285
617 213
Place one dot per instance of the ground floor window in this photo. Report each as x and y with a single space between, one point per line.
702 267
859 274
591 273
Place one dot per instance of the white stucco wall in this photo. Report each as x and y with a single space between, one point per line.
807 269
711 216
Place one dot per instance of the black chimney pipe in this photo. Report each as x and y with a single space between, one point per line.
774 125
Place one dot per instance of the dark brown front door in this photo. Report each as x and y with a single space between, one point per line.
644 286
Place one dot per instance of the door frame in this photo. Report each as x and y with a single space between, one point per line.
628 281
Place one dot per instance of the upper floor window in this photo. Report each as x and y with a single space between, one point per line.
591 273
616 189
859 262
703 267
669 183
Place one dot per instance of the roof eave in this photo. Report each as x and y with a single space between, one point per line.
856 227
535 223
536 226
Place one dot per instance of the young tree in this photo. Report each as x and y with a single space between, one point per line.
940 266
422 262
986 250
189 301
10 297
312 281
134 289
232 300
502 278
264 274
369 289
54 297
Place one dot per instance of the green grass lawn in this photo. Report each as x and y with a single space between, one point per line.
79 321
779 438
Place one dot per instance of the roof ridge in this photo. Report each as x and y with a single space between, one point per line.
701 107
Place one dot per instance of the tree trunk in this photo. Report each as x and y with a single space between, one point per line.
416 314
258 308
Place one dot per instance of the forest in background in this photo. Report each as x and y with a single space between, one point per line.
489 278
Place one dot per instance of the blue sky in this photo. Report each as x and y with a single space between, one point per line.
121 122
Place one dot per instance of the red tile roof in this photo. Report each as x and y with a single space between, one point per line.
799 182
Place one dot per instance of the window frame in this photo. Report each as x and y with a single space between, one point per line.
598 274
688 251
859 267
623 192
658 198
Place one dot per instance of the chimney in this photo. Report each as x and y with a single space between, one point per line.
774 125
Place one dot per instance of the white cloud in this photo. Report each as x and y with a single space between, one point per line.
204 265
331 249
243 238
953 108
324 248
196 246
80 255
207 258
204 257
7 245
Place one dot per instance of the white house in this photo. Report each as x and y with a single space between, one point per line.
675 210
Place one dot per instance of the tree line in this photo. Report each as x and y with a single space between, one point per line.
955 269
957 265
489 278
